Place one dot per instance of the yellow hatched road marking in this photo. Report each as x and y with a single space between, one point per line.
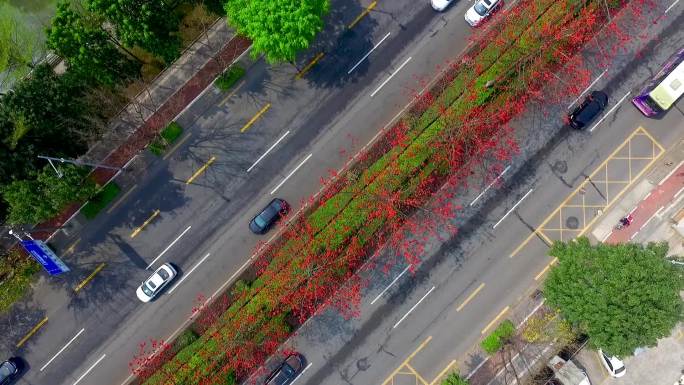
147 222
32 332
396 371
601 168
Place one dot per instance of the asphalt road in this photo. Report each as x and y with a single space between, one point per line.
202 226
412 326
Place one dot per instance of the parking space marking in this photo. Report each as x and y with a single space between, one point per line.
255 117
362 15
201 170
308 67
32 332
598 192
89 278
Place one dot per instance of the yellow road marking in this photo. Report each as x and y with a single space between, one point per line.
363 14
415 374
545 269
123 197
443 372
255 117
601 167
470 297
311 64
89 278
32 332
405 362
201 170
233 92
71 248
175 147
147 222
495 320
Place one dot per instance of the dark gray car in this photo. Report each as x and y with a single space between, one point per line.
588 110
275 210
9 371
287 371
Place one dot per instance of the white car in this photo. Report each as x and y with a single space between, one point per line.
481 10
440 5
156 282
613 364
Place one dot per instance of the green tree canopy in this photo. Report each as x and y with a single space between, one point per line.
623 296
150 24
19 46
278 28
80 40
33 201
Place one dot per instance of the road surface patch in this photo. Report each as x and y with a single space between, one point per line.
89 277
308 67
32 332
147 222
604 186
255 117
362 14
201 170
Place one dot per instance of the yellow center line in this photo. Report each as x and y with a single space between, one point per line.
89 278
363 14
255 117
470 297
308 66
147 222
398 369
175 147
123 197
495 320
546 268
71 248
201 170
32 332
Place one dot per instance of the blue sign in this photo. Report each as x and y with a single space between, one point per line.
45 256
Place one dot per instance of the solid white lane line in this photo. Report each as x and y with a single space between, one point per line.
413 308
189 272
369 52
671 6
610 111
302 373
490 185
513 208
62 349
291 173
90 368
168 247
587 89
390 285
390 77
267 151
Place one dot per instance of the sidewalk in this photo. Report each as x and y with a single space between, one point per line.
172 91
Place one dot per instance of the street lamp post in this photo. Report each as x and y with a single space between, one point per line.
76 162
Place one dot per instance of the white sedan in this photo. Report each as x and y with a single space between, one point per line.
615 367
156 282
481 10
440 5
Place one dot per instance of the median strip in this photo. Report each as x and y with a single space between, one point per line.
32 332
89 278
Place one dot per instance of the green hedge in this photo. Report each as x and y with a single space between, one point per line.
495 341
228 78
166 137
100 200
17 272
454 379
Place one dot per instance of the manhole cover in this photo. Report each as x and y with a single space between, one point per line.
572 223
560 166
363 364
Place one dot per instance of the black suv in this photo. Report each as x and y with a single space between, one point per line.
587 111
268 216
287 371
9 370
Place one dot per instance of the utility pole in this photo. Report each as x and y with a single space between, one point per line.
76 162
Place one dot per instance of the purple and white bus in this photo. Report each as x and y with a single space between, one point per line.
664 89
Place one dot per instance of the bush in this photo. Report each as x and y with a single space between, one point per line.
167 136
16 274
100 200
495 341
454 379
228 78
